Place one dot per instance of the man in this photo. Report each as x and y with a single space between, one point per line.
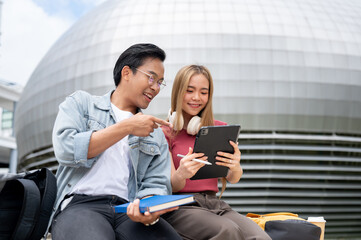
109 153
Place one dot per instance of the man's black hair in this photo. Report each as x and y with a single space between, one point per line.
134 57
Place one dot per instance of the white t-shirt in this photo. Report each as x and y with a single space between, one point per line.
110 174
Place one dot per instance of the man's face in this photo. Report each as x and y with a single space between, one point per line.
142 91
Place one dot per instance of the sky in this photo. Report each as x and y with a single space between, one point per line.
29 28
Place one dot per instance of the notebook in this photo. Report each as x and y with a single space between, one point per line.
157 203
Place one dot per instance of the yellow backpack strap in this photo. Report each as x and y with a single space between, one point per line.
262 219
281 213
257 218
253 215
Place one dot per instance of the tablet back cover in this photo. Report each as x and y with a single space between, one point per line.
210 140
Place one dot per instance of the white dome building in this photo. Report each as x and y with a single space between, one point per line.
288 71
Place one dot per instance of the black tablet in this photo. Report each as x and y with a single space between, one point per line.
210 140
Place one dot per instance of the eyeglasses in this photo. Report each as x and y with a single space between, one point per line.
160 83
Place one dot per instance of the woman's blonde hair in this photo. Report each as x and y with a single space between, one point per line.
179 89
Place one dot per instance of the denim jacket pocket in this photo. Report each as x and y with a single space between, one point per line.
147 152
149 148
94 125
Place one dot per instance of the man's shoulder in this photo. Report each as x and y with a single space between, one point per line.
81 94
78 96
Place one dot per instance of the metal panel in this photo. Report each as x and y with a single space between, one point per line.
284 176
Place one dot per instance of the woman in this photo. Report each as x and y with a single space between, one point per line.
209 217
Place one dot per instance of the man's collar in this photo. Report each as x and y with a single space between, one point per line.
104 102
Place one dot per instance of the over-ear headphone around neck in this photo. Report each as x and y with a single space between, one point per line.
193 125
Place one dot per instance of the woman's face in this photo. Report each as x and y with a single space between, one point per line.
196 96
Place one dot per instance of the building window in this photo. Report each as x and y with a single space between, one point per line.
7 122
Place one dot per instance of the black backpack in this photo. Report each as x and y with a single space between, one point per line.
26 203
292 229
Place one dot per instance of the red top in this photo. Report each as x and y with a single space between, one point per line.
180 144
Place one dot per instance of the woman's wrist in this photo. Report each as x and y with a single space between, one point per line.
178 182
237 169
234 176
179 176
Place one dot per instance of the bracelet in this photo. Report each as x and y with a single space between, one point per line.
152 223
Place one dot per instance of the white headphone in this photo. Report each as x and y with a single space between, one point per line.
193 125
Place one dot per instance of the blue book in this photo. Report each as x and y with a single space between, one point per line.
157 203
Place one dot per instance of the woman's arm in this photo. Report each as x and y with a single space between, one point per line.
187 168
235 175
178 182
232 161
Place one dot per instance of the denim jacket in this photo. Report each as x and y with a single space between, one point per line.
79 116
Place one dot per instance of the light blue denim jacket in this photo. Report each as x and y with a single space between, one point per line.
79 116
